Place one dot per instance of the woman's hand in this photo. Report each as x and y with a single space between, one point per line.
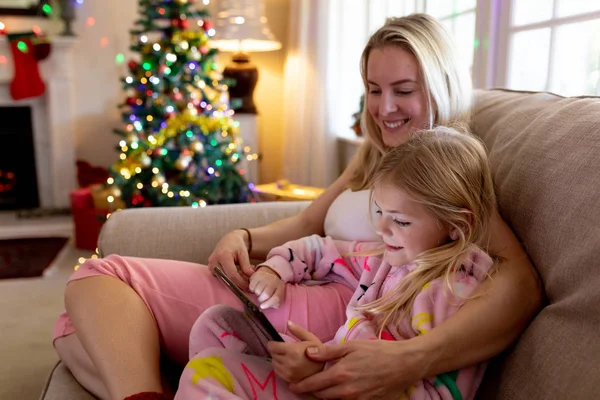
268 287
365 370
289 359
229 252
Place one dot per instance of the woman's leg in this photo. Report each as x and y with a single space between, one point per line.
120 335
158 301
74 356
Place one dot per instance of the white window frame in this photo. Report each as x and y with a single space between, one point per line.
491 59
493 66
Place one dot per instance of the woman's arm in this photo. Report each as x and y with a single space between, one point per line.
488 324
308 222
231 252
481 329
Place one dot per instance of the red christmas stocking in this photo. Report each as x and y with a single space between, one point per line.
26 81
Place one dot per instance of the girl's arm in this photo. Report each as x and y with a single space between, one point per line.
315 258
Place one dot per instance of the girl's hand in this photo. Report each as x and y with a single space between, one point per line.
229 252
268 287
289 359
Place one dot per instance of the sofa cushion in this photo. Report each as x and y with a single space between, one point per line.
545 156
61 385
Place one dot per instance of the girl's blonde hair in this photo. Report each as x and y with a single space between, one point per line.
448 173
446 83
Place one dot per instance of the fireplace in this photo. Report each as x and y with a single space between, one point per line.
18 178
48 122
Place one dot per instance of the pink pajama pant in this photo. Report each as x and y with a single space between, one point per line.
219 374
229 361
177 292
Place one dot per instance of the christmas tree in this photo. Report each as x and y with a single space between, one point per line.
180 143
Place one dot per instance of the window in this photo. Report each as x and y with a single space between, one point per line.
458 16
553 45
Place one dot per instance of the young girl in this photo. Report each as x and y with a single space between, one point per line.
433 196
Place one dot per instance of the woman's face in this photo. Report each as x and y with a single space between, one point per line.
395 96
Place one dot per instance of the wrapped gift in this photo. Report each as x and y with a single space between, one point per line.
87 219
283 190
100 196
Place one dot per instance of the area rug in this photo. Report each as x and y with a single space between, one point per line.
26 258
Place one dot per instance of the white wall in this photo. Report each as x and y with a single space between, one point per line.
98 90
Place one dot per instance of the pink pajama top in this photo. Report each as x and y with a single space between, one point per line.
318 260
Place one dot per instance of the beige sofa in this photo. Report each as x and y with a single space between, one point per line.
545 155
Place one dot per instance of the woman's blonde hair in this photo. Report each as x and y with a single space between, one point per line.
448 173
446 83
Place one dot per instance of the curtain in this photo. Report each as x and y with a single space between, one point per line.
322 81
310 145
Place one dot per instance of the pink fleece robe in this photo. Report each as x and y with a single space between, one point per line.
222 365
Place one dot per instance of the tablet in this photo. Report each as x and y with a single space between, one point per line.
253 311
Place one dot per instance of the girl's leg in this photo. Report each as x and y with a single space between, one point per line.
174 294
222 374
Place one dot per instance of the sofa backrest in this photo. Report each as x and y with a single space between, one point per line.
545 157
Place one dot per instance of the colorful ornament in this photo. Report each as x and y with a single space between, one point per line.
137 199
183 24
195 54
183 162
145 161
197 146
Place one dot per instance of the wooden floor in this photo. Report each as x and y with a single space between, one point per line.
28 309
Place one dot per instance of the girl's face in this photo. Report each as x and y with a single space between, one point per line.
395 96
406 227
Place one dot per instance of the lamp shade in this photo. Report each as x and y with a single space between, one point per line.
241 26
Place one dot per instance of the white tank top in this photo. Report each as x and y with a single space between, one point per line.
348 217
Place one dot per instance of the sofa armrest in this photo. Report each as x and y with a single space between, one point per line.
184 233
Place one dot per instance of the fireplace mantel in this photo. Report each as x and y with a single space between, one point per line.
53 122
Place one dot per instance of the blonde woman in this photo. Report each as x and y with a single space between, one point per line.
121 312
434 198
